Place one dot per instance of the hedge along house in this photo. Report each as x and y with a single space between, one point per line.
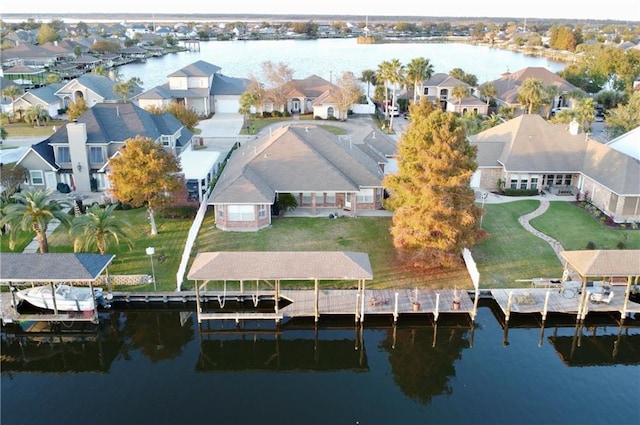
529 153
323 172
78 153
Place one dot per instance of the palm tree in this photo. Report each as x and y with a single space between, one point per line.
586 111
460 92
531 94
98 229
488 91
392 73
368 76
12 92
419 70
32 210
36 114
123 89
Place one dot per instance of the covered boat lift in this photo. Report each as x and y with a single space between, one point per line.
276 267
31 268
606 265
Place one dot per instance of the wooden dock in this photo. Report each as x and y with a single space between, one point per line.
348 302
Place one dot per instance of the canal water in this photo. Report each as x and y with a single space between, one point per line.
146 366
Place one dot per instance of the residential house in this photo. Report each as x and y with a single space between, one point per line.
26 54
439 90
93 88
64 50
78 153
199 86
43 96
508 85
321 171
27 77
311 95
528 152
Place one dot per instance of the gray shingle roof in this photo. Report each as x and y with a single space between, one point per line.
197 69
604 263
52 267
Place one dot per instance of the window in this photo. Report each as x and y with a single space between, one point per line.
220 211
306 198
330 198
95 155
550 178
330 112
534 182
241 213
567 180
166 141
514 184
319 198
37 178
262 211
523 184
63 155
559 179
364 196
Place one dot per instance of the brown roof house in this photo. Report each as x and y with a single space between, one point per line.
509 83
323 172
528 152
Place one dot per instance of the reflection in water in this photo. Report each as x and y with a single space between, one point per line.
422 357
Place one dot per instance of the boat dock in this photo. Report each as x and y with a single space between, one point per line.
393 303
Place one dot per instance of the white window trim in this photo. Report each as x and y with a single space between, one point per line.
32 177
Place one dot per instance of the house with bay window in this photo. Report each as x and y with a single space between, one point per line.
78 153
529 152
323 172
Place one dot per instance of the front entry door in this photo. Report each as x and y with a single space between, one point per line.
50 180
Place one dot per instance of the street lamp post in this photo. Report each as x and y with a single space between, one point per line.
150 251
484 196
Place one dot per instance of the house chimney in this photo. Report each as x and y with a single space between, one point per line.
574 128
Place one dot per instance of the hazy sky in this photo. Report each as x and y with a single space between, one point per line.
626 10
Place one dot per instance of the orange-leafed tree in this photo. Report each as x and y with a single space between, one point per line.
143 174
434 211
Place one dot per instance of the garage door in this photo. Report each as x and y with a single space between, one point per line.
227 104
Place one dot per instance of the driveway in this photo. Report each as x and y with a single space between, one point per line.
221 125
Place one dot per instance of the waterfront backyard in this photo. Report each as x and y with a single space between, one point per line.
509 253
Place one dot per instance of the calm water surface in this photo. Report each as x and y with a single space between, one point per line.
329 58
160 367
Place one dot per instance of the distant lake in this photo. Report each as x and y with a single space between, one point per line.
329 58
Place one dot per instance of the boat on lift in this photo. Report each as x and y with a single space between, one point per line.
63 297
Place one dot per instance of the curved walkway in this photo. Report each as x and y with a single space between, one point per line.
524 221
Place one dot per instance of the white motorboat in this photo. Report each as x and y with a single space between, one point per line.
67 297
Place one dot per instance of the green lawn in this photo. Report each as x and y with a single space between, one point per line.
508 254
22 129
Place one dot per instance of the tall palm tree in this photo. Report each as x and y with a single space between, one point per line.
12 92
531 94
384 74
586 111
418 71
32 210
460 92
488 91
392 73
98 229
368 76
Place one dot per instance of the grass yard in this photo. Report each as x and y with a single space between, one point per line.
575 228
22 129
170 241
508 254
22 240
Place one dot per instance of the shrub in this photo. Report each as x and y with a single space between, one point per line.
620 245
591 245
182 211
63 188
521 192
